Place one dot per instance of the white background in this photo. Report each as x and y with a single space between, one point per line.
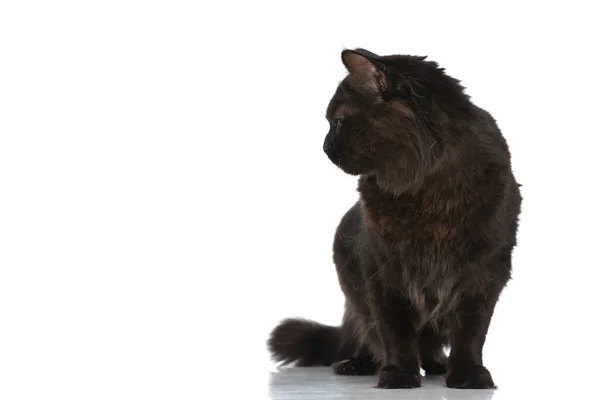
164 197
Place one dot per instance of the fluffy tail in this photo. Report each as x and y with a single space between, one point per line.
306 342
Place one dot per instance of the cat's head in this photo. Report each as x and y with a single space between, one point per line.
391 116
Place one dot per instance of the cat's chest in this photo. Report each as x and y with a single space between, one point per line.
416 233
417 224
421 258
433 285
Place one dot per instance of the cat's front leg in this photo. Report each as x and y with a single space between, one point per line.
465 365
396 320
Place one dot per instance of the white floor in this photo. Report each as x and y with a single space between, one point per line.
321 383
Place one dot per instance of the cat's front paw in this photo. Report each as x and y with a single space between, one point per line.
475 377
393 377
354 366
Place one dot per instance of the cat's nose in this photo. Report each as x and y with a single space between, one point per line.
328 144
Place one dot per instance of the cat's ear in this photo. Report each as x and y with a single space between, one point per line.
366 70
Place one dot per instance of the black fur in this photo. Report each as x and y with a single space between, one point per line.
425 253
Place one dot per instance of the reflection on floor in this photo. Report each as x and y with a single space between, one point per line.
321 383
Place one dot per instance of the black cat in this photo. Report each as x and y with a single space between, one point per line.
424 254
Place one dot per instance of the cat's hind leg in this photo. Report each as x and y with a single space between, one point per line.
431 349
362 364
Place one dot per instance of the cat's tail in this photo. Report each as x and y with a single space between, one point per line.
306 342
